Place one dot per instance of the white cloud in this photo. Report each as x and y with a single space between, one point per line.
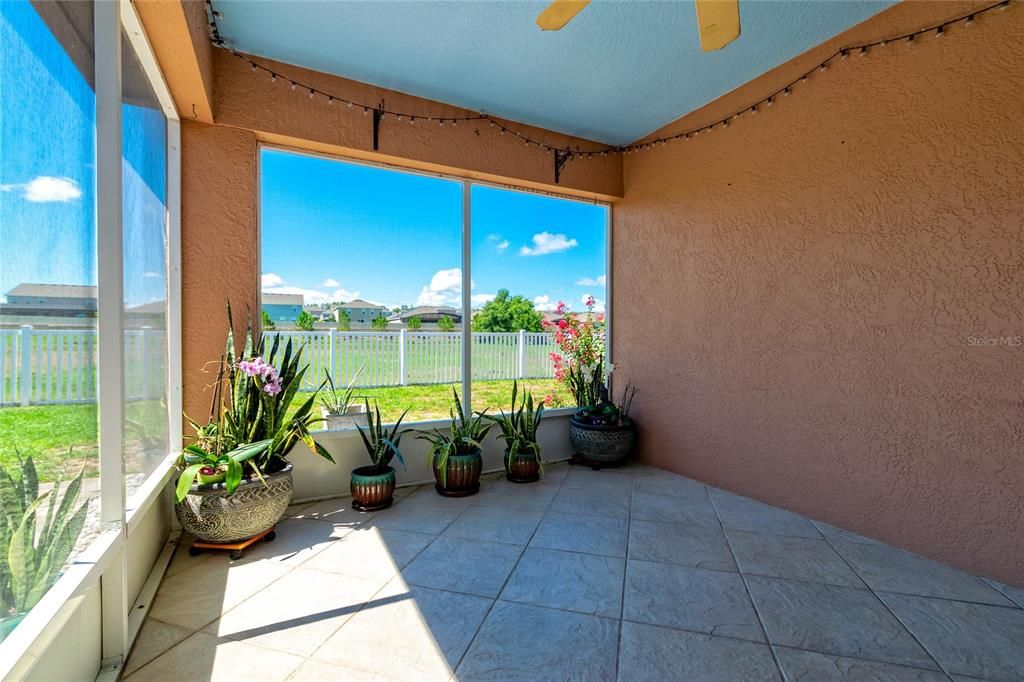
152 275
545 243
480 299
598 281
544 303
269 279
499 244
330 283
272 283
445 288
346 295
47 189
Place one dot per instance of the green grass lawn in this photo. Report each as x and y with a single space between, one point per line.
54 433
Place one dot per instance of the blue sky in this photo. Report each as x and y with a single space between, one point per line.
335 231
47 168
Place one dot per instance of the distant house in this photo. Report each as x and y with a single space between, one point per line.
361 313
50 300
282 307
427 314
319 313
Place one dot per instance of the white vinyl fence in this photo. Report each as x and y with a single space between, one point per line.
55 366
58 366
405 357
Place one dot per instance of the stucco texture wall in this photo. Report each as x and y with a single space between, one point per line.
220 257
796 295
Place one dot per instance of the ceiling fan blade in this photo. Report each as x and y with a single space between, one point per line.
559 13
718 22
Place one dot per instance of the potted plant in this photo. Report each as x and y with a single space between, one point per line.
341 411
456 457
604 433
247 438
373 486
522 459
34 555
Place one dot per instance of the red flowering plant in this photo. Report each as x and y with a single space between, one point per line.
580 364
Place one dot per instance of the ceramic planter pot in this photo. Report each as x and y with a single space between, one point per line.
371 488
523 468
212 514
462 475
355 414
601 444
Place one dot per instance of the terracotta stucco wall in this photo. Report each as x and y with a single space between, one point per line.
795 295
219 249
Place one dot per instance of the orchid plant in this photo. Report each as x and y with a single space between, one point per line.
580 362
250 431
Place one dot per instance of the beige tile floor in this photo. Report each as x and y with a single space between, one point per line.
628 574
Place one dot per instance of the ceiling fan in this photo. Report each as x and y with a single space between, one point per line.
718 21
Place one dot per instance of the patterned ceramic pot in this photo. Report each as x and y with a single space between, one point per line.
371 489
523 468
462 475
212 514
601 443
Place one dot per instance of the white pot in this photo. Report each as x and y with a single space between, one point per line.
356 414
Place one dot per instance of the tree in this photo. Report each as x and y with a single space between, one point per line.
304 322
380 323
268 323
445 323
344 320
507 313
415 324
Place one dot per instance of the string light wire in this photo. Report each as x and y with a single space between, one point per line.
966 19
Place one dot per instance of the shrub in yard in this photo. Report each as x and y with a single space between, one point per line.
304 322
415 324
446 324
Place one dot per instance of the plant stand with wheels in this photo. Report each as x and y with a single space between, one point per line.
234 549
594 464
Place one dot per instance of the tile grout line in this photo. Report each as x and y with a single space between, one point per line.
625 573
398 571
899 620
494 601
746 589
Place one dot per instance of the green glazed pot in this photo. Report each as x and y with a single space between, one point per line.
522 468
462 475
372 489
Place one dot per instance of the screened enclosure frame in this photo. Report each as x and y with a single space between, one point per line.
103 563
467 184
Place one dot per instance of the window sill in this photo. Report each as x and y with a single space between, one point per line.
350 432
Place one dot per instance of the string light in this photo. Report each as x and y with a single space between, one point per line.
862 49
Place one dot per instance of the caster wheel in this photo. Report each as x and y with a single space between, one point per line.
269 537
194 551
235 554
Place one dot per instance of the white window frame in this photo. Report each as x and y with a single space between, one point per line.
103 563
466 260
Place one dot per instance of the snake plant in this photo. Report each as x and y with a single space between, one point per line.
381 446
519 426
34 554
465 436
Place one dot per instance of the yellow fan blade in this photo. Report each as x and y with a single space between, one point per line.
559 13
718 22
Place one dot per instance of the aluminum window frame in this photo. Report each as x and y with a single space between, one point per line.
104 562
467 183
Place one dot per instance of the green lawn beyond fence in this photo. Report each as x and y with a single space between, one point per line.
65 435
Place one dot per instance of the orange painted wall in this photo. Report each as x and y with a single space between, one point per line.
219 249
795 295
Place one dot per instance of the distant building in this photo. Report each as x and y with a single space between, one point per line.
361 313
429 315
282 307
50 300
